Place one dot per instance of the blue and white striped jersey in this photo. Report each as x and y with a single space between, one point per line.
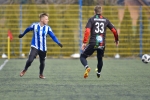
39 36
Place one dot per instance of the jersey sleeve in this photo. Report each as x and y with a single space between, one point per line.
52 35
113 30
89 24
87 31
30 28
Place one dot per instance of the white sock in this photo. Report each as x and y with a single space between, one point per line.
86 66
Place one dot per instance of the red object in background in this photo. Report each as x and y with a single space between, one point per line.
10 35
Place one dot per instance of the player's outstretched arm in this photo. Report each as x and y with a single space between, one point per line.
60 45
117 43
26 31
52 35
116 36
86 37
114 31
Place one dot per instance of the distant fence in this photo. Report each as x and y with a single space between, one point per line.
132 24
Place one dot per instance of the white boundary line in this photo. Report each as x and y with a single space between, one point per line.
1 66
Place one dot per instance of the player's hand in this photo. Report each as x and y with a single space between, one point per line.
60 45
83 46
117 43
20 36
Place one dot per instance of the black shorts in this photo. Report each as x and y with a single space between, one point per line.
89 50
34 52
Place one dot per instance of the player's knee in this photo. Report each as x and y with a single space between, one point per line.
83 56
30 61
42 63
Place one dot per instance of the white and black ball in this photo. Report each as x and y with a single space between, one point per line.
146 58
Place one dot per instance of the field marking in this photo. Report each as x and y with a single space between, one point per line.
3 64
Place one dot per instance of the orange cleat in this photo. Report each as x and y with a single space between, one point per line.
87 72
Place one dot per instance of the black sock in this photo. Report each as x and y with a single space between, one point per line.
100 64
42 65
41 70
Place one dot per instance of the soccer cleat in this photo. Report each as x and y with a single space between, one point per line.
86 72
41 76
98 75
22 73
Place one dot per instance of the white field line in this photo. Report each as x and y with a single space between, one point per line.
1 66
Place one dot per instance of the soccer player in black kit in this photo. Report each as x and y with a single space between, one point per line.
96 29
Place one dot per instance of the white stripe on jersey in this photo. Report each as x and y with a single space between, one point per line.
41 39
35 40
46 28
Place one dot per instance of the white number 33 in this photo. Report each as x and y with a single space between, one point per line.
99 27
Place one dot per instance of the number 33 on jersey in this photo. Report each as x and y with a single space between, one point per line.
96 29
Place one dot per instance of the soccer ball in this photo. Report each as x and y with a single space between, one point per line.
146 58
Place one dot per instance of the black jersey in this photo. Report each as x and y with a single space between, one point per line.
98 25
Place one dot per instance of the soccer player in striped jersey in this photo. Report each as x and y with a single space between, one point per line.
38 43
96 29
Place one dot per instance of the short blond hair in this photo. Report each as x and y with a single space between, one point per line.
42 15
98 9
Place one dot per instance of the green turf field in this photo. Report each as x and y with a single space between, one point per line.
121 79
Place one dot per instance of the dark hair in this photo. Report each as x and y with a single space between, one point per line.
42 15
98 9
